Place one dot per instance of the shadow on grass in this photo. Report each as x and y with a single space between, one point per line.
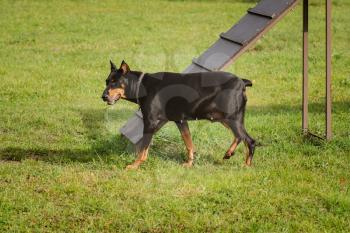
102 144
105 146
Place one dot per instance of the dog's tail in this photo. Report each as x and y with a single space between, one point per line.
247 82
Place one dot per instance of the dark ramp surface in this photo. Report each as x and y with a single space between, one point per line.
226 49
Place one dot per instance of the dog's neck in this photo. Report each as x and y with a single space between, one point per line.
134 88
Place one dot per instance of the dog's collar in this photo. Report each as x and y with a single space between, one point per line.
139 81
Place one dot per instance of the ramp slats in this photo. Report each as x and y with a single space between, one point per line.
223 36
247 28
195 61
251 11
194 68
271 8
219 53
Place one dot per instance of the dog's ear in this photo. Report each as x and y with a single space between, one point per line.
124 67
113 67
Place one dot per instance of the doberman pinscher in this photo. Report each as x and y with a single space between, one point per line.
162 97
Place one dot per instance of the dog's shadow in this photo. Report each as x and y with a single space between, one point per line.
102 143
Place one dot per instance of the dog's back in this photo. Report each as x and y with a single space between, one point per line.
211 95
196 80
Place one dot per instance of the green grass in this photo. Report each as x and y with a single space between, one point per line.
62 158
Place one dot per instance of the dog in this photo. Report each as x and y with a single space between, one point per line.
164 96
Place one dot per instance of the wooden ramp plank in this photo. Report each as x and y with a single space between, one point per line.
271 8
219 53
193 68
247 28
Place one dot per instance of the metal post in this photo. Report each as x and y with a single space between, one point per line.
328 69
305 65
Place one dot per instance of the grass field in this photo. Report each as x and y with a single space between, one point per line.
62 159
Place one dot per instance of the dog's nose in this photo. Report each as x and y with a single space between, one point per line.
105 97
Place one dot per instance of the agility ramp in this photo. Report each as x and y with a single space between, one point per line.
226 49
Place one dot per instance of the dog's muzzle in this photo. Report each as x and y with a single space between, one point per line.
110 100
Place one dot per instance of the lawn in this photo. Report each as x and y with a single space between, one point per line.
62 158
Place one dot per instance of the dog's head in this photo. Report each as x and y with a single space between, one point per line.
116 83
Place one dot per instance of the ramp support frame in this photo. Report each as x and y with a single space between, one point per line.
328 81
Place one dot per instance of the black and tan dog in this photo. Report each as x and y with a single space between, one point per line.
162 97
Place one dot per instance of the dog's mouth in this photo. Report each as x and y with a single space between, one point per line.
113 99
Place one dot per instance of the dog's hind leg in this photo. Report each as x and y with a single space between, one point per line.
242 135
148 132
186 136
249 143
231 150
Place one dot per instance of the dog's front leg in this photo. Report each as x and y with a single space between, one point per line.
150 128
142 153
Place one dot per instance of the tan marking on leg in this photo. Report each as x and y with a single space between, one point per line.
248 159
142 156
232 148
186 136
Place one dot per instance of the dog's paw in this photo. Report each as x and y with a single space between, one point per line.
248 163
227 155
